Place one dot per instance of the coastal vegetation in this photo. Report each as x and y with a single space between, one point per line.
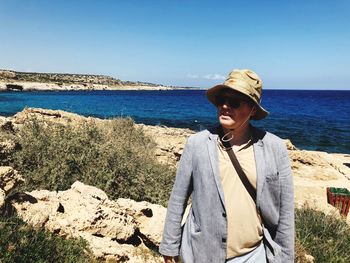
118 157
61 78
325 237
20 242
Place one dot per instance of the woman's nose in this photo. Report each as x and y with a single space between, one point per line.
225 105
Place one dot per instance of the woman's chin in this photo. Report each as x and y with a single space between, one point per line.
226 122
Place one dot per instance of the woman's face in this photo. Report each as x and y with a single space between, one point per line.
234 110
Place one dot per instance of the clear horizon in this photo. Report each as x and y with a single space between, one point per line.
291 45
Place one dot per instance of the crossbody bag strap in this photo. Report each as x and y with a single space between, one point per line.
242 175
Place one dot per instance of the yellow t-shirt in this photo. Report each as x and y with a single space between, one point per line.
244 228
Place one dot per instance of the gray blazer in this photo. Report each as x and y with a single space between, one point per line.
203 237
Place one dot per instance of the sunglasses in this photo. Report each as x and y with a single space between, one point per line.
234 103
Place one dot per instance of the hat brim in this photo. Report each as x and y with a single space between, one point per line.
260 114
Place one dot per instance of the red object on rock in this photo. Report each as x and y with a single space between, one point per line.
339 198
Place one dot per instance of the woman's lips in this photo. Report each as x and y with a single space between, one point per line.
225 114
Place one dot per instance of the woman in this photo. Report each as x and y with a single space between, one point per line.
240 182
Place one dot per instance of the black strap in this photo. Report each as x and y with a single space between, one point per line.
248 186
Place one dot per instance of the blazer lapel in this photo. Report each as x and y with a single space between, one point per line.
214 161
258 147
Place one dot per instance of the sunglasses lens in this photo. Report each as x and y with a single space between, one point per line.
219 100
232 102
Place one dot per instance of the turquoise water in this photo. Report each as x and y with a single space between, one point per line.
313 120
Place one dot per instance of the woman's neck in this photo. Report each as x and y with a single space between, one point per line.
240 135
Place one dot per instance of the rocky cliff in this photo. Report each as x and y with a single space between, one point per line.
129 231
29 81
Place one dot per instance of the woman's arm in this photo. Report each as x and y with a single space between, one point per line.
182 189
285 235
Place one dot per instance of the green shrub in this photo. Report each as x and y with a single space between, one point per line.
325 237
115 156
22 243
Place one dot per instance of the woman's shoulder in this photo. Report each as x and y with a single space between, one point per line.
202 136
269 139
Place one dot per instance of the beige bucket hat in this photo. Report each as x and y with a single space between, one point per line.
244 81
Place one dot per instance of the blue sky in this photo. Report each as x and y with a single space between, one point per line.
290 44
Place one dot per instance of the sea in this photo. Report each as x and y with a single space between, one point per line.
311 119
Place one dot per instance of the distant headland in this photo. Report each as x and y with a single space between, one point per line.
33 81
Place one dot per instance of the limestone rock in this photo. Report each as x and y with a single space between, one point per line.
6 124
56 116
9 178
170 142
290 145
309 258
2 198
122 230
315 171
111 251
7 147
7 74
149 218
322 168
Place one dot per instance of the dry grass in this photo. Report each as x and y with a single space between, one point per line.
325 237
22 243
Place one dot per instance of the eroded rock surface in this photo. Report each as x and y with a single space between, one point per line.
313 172
170 142
7 147
9 179
123 230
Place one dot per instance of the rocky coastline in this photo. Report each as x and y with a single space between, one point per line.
125 230
31 81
